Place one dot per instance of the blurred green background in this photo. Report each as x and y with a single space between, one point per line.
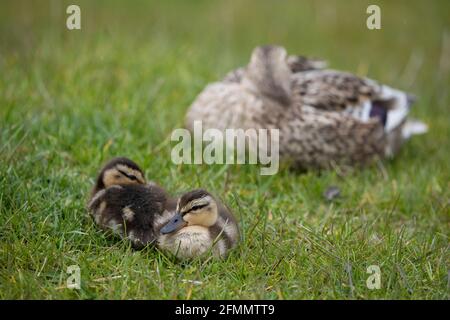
70 100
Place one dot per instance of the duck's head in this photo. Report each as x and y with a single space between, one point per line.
119 171
194 208
269 72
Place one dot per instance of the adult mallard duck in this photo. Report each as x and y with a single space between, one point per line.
324 116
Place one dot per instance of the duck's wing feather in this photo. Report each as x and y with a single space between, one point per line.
234 76
302 63
312 137
362 98
333 90
296 64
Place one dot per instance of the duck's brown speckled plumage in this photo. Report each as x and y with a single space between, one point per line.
325 117
295 63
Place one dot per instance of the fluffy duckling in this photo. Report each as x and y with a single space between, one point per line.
324 117
200 223
123 203
118 171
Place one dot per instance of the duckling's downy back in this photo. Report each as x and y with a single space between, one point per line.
129 211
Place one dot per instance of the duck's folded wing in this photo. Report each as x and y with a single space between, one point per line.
362 98
296 64
319 138
234 76
333 90
302 63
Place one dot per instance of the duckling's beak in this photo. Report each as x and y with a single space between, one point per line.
174 224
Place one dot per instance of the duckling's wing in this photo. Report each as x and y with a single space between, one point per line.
129 210
362 98
106 211
228 223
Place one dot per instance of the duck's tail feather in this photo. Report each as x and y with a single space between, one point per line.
411 99
397 104
413 127
398 127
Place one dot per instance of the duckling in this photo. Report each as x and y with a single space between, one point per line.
200 223
118 171
324 117
122 202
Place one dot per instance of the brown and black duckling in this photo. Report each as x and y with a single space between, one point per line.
200 223
118 171
122 202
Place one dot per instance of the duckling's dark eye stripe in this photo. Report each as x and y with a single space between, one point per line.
198 207
127 175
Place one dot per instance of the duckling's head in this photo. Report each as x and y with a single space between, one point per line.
119 171
269 72
194 208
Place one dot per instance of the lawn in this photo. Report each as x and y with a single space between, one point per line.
71 100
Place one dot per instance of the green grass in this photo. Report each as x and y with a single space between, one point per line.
70 100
